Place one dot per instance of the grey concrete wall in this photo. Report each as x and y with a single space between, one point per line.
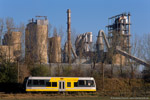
87 68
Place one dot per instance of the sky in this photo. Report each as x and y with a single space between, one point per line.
86 15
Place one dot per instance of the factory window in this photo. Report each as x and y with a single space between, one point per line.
54 84
68 84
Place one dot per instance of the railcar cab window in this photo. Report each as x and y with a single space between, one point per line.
48 84
90 83
29 82
84 83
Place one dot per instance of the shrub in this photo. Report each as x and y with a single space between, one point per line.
8 73
40 70
67 71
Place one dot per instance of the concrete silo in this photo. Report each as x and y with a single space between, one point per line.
54 50
16 40
36 41
13 41
6 53
16 43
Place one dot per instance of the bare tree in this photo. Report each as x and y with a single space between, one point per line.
9 24
55 32
9 27
21 28
145 48
49 29
1 29
135 51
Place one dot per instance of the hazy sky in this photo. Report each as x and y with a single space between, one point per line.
86 16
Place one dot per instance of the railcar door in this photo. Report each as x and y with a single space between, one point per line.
61 85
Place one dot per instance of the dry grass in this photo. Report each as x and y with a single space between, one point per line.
123 87
39 96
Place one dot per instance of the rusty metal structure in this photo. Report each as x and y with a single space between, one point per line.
36 40
54 49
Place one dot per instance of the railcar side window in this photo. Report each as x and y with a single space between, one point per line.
48 84
54 84
81 82
35 82
75 84
41 82
68 84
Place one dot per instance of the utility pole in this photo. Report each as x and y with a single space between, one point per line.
102 64
18 69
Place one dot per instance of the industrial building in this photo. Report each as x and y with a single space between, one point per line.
113 48
36 37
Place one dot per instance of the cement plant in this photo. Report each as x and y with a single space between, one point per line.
108 58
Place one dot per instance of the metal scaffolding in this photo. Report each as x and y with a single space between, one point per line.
119 32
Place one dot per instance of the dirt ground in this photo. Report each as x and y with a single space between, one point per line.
63 96
39 96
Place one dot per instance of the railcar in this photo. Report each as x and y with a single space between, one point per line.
35 84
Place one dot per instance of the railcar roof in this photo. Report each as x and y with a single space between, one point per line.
36 77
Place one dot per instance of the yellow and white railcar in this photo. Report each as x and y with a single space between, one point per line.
60 84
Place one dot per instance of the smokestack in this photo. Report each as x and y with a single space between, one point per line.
129 33
69 34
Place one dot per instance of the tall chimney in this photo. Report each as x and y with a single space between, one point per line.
129 48
69 34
